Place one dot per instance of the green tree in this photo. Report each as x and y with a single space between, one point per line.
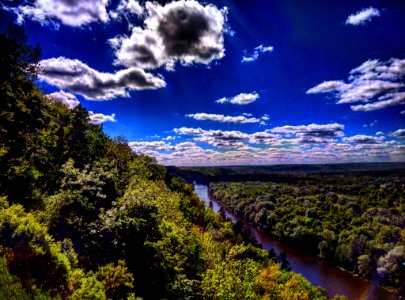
117 281
31 253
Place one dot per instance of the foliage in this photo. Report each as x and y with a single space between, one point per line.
86 286
116 280
354 221
31 253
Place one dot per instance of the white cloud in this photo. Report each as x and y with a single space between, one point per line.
126 8
148 146
224 139
188 131
184 31
217 138
98 118
291 144
387 100
312 130
74 13
67 99
265 117
400 133
241 99
188 153
402 112
264 138
363 139
378 84
222 118
79 78
256 53
153 147
363 16
327 86
278 136
372 124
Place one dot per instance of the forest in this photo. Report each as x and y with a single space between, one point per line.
353 220
83 217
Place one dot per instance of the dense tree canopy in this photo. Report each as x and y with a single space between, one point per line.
354 221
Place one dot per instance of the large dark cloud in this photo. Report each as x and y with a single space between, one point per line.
79 78
184 31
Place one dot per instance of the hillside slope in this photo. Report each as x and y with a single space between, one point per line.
82 217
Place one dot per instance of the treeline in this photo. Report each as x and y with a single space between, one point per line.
282 173
82 217
353 221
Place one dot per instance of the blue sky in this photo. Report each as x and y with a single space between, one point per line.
229 82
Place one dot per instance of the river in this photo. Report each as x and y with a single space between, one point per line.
317 271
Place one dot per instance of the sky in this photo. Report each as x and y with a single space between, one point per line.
229 82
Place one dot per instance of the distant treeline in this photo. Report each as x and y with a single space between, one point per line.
282 173
353 220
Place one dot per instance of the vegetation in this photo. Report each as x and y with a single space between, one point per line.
82 217
354 221
282 173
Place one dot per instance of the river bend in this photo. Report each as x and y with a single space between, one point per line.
317 271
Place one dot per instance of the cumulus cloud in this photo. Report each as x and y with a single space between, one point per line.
264 137
74 13
278 136
126 8
222 118
400 133
391 99
375 83
157 147
79 78
145 147
287 144
67 99
265 117
184 31
241 99
363 16
223 139
98 118
363 139
188 131
169 138
188 153
256 53
312 130
327 86
217 138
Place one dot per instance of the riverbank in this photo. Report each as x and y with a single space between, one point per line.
317 271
